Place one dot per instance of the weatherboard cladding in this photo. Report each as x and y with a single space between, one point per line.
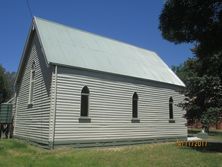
72 47
111 109
33 122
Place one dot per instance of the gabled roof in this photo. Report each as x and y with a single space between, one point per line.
68 46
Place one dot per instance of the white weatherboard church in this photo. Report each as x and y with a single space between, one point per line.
77 88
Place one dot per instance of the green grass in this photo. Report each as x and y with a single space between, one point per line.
17 153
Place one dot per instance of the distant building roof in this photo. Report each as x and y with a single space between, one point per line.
76 48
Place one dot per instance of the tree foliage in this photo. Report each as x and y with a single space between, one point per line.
6 83
203 95
198 22
186 70
193 21
203 99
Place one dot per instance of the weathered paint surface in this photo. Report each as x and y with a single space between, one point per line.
32 123
111 108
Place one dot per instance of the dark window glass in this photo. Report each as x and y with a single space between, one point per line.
84 101
135 105
171 107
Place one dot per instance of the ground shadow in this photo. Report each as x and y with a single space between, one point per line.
212 146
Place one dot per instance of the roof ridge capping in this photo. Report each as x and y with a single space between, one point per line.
102 53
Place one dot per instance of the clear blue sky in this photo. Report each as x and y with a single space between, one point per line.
131 21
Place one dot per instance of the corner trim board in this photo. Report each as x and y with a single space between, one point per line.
54 115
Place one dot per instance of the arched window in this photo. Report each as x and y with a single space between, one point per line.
84 102
32 80
171 107
135 105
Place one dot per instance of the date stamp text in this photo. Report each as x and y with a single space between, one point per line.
196 143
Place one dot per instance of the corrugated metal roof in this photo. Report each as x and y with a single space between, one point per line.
72 47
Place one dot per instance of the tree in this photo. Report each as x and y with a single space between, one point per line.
3 83
10 76
203 95
198 22
193 21
186 70
203 100
6 83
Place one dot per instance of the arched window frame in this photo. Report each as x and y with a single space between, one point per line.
32 83
84 105
135 105
171 118
135 99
